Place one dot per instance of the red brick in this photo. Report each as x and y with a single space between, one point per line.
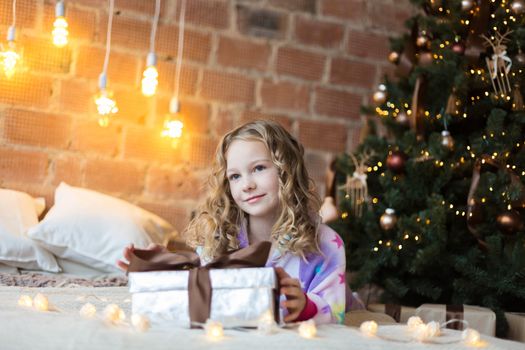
318 33
249 116
128 33
25 14
37 128
122 68
257 22
200 151
76 95
88 136
167 72
337 103
224 122
197 46
114 176
54 59
300 63
26 89
351 10
368 45
350 72
23 166
228 87
388 16
127 6
207 13
317 166
132 104
286 95
243 53
82 24
356 137
322 136
295 5
174 213
176 184
147 144
68 169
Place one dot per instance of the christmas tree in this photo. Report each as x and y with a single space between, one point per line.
432 201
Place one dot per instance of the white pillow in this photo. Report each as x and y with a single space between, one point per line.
18 212
93 228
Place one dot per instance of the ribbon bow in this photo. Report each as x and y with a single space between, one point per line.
199 284
496 57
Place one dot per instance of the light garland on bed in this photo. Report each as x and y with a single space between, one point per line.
424 332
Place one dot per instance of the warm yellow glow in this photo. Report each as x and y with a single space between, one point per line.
213 329
40 302
150 81
25 300
10 60
106 106
88 310
60 32
140 322
369 328
172 128
114 314
307 329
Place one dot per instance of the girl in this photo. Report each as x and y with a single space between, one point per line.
259 190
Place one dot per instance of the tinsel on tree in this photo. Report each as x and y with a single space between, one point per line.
435 211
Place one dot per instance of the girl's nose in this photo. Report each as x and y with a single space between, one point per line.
249 184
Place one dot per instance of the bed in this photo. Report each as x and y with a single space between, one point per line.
68 257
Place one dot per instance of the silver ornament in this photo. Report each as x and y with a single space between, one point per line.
388 220
446 140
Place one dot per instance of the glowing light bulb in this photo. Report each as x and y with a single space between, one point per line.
369 328
60 32
150 76
172 124
213 329
25 300
307 329
88 310
10 56
106 105
114 314
40 302
140 322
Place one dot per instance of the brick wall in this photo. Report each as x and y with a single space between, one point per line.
308 64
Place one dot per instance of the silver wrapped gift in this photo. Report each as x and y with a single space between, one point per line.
240 297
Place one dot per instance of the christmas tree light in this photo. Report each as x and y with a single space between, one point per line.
60 32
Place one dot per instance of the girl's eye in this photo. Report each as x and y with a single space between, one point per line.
233 177
259 167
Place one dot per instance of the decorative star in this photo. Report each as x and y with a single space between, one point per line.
338 241
341 278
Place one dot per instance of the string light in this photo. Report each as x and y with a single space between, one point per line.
11 56
173 122
106 105
213 329
150 75
307 329
60 32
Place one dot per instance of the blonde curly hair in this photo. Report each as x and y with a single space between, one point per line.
217 222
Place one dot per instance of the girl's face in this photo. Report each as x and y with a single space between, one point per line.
253 178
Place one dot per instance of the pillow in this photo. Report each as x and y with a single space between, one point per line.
18 212
92 228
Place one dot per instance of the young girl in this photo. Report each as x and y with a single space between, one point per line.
259 190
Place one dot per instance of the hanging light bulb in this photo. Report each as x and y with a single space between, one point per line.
150 76
10 55
173 124
106 105
60 32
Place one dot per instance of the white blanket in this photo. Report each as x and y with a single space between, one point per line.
24 328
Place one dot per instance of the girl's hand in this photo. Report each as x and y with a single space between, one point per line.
295 298
124 265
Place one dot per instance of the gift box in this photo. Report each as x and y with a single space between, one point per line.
479 318
399 313
516 323
234 289
239 297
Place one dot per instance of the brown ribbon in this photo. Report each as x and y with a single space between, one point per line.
455 312
480 22
418 110
199 284
394 311
408 58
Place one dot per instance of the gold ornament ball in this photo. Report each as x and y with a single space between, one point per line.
446 140
467 5
520 59
421 41
379 96
388 220
393 57
518 7
510 222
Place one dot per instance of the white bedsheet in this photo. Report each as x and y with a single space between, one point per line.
22 328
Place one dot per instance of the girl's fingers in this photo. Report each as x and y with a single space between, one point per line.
290 282
293 292
122 265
